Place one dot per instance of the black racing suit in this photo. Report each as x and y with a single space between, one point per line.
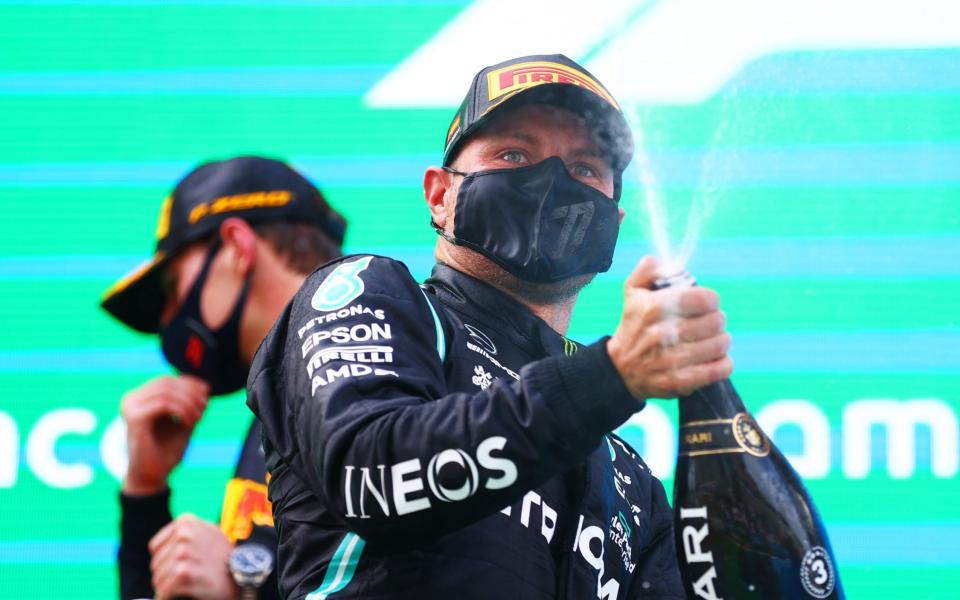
444 443
245 517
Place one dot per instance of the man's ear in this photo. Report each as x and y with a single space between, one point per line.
436 182
240 241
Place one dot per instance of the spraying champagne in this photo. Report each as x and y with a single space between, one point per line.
746 528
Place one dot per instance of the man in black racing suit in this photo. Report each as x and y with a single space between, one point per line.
446 441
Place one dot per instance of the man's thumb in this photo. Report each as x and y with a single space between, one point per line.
644 274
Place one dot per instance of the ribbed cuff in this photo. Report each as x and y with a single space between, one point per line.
141 517
587 391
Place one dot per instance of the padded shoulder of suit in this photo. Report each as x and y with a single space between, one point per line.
340 282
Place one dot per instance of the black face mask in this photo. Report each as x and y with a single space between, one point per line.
537 222
192 347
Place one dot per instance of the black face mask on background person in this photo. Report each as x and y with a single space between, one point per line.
537 222
192 347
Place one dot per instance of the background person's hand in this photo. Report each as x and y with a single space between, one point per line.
160 417
189 557
669 342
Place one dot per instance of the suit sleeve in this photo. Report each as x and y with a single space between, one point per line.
350 387
141 517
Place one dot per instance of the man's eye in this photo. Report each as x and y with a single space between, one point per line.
582 170
512 156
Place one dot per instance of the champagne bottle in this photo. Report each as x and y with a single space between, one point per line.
745 526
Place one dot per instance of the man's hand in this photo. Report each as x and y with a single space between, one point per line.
160 417
189 558
669 342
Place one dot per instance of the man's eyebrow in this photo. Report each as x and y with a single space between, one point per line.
523 136
589 151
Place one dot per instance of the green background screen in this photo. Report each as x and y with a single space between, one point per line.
817 143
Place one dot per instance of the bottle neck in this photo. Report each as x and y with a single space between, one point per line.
716 401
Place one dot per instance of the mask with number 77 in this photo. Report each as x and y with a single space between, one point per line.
537 222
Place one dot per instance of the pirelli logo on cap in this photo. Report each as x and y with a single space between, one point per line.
512 79
240 202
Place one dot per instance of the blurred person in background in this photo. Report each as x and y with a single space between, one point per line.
235 240
448 441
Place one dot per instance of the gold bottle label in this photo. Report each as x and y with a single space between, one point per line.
723 436
749 435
